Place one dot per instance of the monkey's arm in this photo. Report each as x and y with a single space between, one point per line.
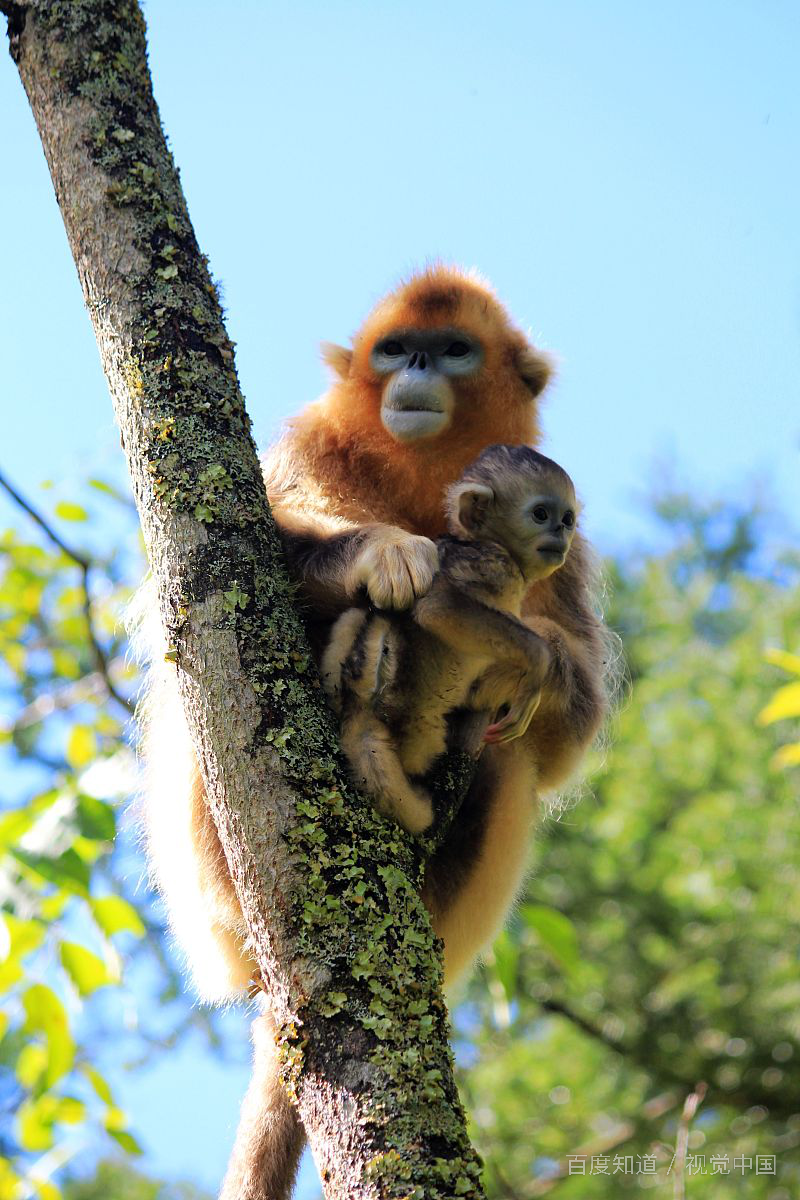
392 565
466 624
518 660
573 701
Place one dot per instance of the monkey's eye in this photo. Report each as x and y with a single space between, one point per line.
568 520
392 349
457 350
540 513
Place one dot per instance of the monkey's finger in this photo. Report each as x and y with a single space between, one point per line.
396 567
507 735
399 578
410 569
386 578
422 562
494 732
513 724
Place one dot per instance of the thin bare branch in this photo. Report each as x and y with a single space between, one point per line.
560 1009
690 1107
85 566
602 1145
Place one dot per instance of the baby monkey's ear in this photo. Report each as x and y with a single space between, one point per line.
469 506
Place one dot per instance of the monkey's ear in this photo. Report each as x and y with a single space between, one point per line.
534 367
469 506
338 358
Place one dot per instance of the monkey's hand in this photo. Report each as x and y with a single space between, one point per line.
517 719
525 696
396 567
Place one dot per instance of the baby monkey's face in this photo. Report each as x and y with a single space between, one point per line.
546 527
531 513
535 521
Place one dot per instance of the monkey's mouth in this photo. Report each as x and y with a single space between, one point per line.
552 550
408 424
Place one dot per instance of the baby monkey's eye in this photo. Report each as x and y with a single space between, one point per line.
393 349
457 350
540 513
568 520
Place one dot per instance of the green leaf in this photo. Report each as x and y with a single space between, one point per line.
35 1125
98 1082
67 871
36 1119
114 915
86 970
555 931
787 756
100 485
52 907
506 961
10 1181
45 1014
23 937
782 658
70 1110
96 818
69 511
10 973
81 746
127 1141
785 703
116 1125
15 823
31 1064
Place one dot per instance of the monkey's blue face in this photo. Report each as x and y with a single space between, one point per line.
418 398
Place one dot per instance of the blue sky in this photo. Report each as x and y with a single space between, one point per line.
626 174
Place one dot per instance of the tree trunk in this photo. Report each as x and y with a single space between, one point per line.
330 894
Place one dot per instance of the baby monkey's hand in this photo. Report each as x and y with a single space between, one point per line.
519 716
526 697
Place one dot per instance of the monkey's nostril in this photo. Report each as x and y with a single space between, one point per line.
423 361
412 362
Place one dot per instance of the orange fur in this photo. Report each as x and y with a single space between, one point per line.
337 469
340 440
336 480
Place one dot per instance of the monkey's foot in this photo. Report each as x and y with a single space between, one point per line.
256 985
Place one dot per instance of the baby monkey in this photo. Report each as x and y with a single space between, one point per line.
395 677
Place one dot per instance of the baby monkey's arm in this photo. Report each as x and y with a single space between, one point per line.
465 623
520 658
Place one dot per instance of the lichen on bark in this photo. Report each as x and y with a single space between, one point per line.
330 891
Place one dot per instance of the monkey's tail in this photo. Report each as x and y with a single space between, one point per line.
270 1137
377 770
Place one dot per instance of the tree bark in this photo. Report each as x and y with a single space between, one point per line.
329 892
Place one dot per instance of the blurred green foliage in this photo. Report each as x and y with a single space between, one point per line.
676 883
656 946
785 704
70 915
115 1180
65 918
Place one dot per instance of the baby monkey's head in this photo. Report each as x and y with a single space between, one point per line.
519 498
